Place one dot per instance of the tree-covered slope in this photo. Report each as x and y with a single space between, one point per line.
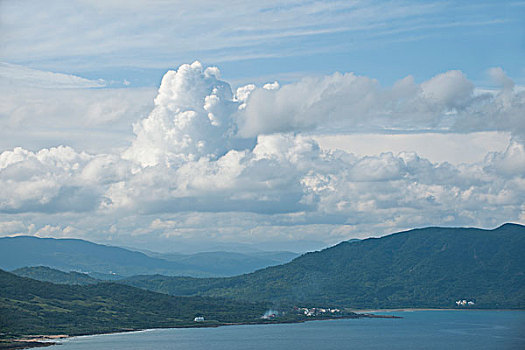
47 274
33 307
431 267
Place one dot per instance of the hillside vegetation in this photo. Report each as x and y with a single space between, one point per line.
431 267
33 307
46 274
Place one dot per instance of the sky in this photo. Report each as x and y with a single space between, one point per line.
277 125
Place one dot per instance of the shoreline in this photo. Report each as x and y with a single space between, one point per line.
32 341
35 341
49 340
428 309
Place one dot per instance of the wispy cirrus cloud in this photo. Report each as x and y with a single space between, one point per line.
15 75
41 109
157 33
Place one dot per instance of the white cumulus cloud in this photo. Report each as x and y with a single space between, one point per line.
191 119
204 153
350 103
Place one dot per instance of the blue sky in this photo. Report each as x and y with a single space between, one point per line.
251 41
172 124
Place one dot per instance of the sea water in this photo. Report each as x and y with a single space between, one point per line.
443 329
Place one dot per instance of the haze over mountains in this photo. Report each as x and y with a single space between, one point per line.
109 262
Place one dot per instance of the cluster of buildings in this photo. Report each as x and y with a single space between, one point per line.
465 303
317 311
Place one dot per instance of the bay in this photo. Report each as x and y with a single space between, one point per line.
436 329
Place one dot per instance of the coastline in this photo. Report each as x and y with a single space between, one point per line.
31 341
35 341
428 309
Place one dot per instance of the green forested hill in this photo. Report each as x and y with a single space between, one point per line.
33 307
44 273
431 267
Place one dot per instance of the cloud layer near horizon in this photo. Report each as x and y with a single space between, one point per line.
207 149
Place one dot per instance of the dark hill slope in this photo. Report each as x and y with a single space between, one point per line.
46 274
33 307
430 267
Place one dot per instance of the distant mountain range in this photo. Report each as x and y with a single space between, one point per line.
430 267
222 263
107 262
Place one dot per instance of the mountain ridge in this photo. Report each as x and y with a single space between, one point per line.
426 267
110 262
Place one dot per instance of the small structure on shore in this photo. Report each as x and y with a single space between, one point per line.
198 319
317 311
464 302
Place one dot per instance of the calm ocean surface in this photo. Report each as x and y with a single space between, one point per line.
417 330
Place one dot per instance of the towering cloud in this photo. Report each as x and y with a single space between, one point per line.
192 118
205 149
